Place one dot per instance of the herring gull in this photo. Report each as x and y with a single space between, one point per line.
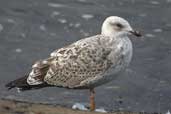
86 63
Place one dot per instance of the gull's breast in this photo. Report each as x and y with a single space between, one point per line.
121 56
126 52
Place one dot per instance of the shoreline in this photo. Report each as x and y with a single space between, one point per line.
8 106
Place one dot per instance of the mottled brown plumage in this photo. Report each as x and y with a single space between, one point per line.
76 65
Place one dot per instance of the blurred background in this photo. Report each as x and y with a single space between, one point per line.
31 29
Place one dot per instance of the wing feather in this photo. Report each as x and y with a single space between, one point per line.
38 72
77 62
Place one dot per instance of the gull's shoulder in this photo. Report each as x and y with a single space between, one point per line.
85 42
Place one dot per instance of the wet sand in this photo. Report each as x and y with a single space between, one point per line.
16 107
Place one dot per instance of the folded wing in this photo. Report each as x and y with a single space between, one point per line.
76 65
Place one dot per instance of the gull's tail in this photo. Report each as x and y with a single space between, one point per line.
22 84
19 83
35 79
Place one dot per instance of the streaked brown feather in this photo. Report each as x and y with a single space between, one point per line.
76 63
39 70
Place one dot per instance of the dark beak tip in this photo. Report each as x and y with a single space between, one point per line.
136 33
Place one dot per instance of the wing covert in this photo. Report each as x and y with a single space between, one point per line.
76 63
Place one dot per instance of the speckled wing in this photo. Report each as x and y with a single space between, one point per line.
77 64
38 72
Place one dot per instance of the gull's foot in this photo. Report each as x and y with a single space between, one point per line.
85 106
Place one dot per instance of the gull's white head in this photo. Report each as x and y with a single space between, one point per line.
115 25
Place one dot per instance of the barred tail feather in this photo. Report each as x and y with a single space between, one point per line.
35 79
22 84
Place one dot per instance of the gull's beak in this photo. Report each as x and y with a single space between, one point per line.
136 33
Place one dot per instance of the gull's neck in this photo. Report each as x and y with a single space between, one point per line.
108 32
115 35
109 40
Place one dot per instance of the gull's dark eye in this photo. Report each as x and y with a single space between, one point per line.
119 25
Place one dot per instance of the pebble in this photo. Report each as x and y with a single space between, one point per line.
150 35
102 110
10 21
76 25
18 50
1 27
87 16
112 87
143 15
82 0
53 34
168 24
23 35
162 81
169 1
157 30
42 27
56 5
62 21
154 2
79 106
55 13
